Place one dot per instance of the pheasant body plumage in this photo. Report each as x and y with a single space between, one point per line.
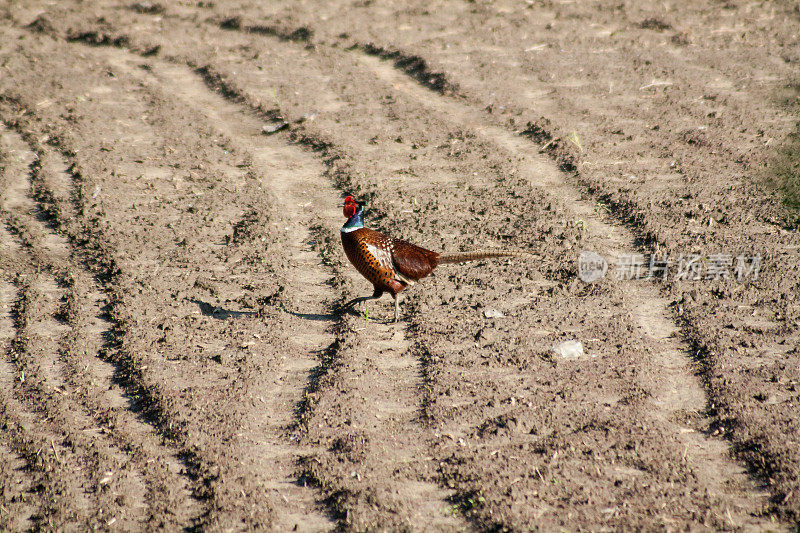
389 264
393 264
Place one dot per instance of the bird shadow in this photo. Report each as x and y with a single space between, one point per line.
218 312
335 315
319 317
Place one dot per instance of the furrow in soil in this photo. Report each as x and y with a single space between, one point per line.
293 178
35 426
89 354
16 475
114 471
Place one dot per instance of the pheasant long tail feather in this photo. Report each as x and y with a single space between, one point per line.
463 257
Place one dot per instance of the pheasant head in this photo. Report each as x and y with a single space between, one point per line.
352 212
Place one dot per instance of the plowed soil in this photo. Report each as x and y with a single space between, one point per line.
172 352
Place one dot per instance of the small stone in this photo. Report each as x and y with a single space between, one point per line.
493 313
772 400
274 128
570 349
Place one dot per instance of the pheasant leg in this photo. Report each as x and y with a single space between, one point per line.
396 307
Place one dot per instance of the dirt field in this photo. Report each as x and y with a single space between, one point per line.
172 356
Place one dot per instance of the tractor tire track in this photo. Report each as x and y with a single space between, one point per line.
114 471
297 505
655 329
35 359
382 383
392 376
89 356
41 431
286 172
130 457
17 487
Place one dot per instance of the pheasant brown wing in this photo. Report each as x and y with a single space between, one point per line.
413 261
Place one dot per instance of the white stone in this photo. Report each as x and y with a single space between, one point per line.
570 349
493 313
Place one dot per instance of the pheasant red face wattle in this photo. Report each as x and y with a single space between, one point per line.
350 207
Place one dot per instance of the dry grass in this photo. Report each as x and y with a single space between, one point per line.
784 168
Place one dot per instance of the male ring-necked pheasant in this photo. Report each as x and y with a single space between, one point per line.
392 264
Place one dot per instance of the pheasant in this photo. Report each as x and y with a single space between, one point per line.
392 264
